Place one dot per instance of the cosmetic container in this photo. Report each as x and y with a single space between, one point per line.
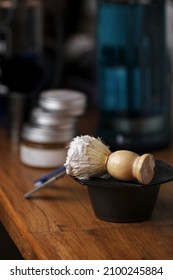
51 127
65 101
43 147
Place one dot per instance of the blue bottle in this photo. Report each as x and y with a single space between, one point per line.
132 74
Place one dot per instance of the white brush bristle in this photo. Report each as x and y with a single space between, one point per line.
86 157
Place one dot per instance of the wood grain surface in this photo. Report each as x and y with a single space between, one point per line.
59 222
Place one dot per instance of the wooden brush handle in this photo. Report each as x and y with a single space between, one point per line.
126 165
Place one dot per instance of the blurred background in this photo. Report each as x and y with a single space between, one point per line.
118 53
46 44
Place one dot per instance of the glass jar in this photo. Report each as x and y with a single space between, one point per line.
42 147
133 90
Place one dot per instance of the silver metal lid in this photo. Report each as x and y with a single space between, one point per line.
51 118
70 102
46 135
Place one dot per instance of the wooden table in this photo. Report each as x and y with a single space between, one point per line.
59 223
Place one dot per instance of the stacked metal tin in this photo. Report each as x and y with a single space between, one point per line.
51 127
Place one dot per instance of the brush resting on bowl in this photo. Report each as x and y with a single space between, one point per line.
89 157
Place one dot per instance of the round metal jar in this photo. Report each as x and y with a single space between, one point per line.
69 102
52 119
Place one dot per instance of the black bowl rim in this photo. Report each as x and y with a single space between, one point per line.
163 174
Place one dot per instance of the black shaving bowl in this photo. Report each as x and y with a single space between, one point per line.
123 202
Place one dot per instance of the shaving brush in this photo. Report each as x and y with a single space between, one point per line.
90 157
